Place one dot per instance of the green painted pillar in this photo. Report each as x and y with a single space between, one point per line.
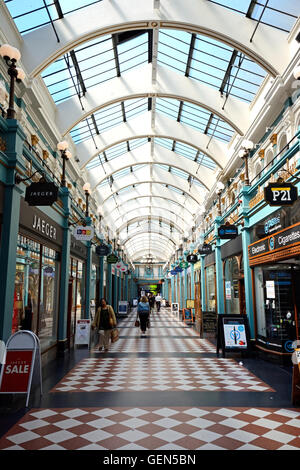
64 278
126 287
219 270
109 284
101 277
115 299
203 290
10 225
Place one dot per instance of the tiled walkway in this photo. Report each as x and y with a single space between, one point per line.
167 391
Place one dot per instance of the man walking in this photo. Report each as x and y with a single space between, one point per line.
158 300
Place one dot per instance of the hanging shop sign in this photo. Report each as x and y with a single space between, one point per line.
227 232
83 233
205 249
184 264
233 333
178 269
280 194
112 259
102 250
173 272
190 303
276 243
41 194
22 364
192 259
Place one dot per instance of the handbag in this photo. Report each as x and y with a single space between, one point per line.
137 323
114 335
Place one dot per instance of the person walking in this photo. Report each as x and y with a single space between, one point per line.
143 312
151 302
105 321
158 300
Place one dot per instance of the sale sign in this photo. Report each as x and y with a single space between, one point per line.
16 371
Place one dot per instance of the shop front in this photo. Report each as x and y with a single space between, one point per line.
233 275
76 294
275 263
36 293
210 283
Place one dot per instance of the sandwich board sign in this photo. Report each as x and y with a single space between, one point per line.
233 333
175 309
22 365
82 332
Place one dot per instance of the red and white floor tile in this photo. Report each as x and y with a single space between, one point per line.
156 428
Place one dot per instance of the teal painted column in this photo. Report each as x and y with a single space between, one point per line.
126 297
247 270
10 224
115 299
109 285
64 278
192 281
203 290
120 286
219 270
185 281
88 278
101 277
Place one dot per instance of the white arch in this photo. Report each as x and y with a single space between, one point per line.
148 212
169 84
269 47
146 232
141 127
152 217
143 156
149 175
169 195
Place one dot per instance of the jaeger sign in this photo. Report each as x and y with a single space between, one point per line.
41 194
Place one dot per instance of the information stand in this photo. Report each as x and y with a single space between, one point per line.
188 315
123 308
82 332
22 365
233 334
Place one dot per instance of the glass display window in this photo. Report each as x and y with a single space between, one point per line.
231 280
77 270
36 291
277 303
210 283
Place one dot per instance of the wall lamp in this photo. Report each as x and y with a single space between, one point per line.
219 188
65 155
247 146
87 189
11 55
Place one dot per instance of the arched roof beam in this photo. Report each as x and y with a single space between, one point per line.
140 127
170 198
147 211
146 232
169 84
157 175
269 48
165 220
161 156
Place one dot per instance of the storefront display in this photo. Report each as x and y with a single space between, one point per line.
77 285
231 279
210 283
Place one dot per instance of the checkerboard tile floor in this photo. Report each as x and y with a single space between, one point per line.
181 374
182 428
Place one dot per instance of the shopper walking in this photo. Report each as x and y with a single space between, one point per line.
105 321
143 312
151 302
158 300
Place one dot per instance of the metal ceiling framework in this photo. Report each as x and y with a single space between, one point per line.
191 94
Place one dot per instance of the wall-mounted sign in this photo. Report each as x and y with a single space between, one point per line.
112 259
205 249
280 194
228 231
192 259
102 250
190 303
83 233
41 194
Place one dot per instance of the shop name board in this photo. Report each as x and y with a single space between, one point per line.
228 231
192 259
280 194
112 259
205 249
41 194
102 250
41 225
275 242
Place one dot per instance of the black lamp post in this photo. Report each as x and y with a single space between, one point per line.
65 155
244 153
220 187
11 55
87 190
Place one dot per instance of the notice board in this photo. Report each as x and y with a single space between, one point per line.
233 334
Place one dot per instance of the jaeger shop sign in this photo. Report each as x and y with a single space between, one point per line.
276 242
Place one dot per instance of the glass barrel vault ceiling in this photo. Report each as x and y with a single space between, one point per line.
198 57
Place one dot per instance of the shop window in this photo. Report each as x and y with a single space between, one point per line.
232 286
210 289
78 292
36 291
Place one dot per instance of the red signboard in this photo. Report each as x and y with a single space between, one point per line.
16 372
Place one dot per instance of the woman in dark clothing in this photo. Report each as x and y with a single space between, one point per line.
143 311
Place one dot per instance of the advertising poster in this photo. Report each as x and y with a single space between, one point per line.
270 289
228 290
82 334
235 335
